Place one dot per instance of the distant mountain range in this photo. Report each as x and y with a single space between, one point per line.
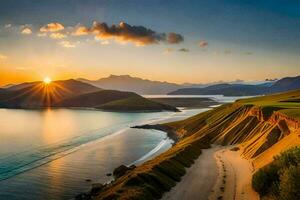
148 87
73 93
133 84
282 85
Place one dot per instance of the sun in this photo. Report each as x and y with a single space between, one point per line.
47 80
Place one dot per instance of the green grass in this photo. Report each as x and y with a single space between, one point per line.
281 178
294 112
286 103
136 103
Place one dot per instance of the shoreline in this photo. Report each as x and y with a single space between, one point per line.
170 132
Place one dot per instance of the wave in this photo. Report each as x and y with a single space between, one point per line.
151 153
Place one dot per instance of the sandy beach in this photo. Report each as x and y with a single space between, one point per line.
234 177
218 173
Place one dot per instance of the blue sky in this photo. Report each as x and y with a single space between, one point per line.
262 35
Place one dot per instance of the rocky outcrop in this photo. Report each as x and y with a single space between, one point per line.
122 170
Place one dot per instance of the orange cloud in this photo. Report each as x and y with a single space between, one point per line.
52 27
124 32
81 30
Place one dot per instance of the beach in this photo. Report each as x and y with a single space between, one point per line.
218 173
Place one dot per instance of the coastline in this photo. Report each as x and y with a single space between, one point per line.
170 132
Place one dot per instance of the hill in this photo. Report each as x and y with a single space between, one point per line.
114 101
282 85
133 84
39 94
72 93
261 127
285 84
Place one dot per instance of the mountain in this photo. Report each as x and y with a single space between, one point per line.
133 84
285 84
73 93
260 127
224 89
38 94
282 85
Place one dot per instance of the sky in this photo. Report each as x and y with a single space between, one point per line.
168 40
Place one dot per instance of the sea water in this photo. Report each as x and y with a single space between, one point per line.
59 153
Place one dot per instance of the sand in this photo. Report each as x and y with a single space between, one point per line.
218 173
234 177
198 180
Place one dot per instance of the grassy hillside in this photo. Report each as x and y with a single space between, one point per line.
287 103
281 178
136 103
260 133
115 101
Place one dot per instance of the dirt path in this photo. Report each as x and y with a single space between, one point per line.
234 177
199 180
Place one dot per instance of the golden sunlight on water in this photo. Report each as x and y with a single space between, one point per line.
54 126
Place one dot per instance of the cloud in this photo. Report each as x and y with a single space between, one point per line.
81 30
174 38
26 31
124 32
3 57
67 44
52 27
184 50
57 35
203 43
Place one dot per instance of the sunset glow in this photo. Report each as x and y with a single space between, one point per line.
47 80
177 48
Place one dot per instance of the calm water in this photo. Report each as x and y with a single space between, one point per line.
218 98
50 154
